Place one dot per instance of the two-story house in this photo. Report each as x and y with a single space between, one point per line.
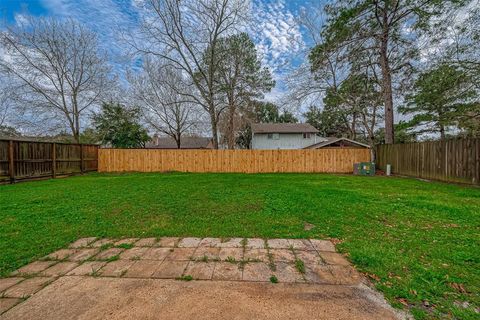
284 136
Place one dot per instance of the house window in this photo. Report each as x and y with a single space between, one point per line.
306 135
273 136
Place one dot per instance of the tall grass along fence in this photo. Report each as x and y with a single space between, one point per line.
24 160
456 160
245 161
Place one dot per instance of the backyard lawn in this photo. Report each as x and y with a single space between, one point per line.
419 242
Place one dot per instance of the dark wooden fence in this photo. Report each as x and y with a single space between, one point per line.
456 160
24 160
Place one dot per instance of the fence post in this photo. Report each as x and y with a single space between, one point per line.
81 158
54 160
11 162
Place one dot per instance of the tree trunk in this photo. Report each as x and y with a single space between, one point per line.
178 141
387 87
213 122
442 132
354 127
230 127
76 132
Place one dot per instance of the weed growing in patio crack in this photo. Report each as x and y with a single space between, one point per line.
113 258
244 242
203 259
106 246
271 263
185 278
242 264
300 266
47 258
125 246
231 259
273 279
95 273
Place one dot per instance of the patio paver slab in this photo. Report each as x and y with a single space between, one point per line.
235 254
116 268
61 254
146 242
170 269
168 242
227 271
27 287
257 271
256 255
142 269
7 303
34 267
87 268
323 245
8 282
108 254
83 254
286 272
282 255
200 270
59 269
80 243
189 242
156 254
278 243
334 258
181 254
134 253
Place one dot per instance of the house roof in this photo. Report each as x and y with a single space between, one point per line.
283 128
185 143
332 140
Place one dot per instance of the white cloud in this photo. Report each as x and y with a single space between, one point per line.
276 33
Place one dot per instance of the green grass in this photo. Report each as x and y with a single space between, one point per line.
418 241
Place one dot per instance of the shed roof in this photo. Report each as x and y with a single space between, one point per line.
332 140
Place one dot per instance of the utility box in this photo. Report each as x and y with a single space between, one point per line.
364 169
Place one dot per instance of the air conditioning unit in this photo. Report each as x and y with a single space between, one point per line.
364 169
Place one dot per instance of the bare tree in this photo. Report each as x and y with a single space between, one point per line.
5 106
60 66
180 32
309 82
159 90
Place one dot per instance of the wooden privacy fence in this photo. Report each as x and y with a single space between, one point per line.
23 160
452 160
246 161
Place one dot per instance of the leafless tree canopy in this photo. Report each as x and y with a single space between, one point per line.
180 32
60 66
160 91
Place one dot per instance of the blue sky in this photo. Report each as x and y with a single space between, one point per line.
280 40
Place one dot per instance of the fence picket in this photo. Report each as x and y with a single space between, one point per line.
455 160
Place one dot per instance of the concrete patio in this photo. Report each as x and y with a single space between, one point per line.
240 278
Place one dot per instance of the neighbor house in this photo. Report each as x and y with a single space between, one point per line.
269 136
185 143
283 135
